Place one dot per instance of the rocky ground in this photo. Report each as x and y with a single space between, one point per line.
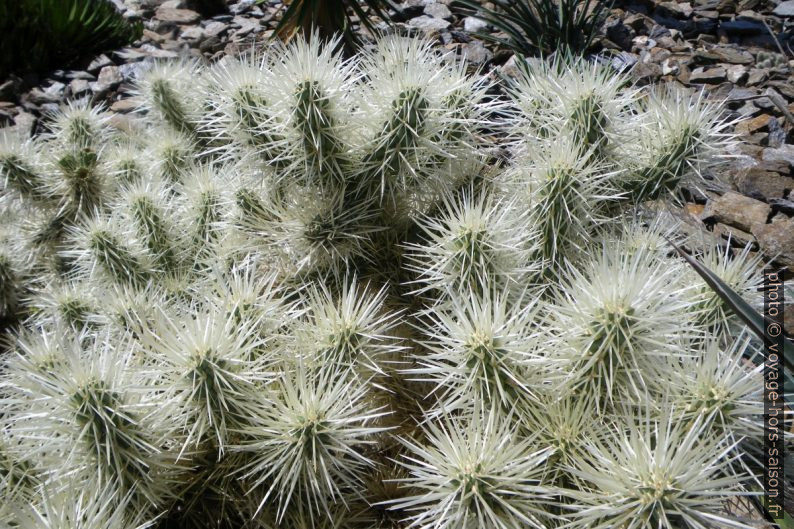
738 51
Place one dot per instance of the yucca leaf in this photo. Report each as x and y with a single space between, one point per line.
744 311
38 34
540 27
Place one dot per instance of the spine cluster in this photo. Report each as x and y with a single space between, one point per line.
306 291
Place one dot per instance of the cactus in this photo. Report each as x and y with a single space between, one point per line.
770 60
297 292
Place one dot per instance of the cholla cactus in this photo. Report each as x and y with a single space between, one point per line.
351 331
19 171
306 446
652 474
295 292
85 422
477 243
679 136
580 99
482 348
84 510
739 271
167 90
208 366
719 389
476 472
616 320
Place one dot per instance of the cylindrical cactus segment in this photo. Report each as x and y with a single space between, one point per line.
17 174
588 122
116 259
152 229
322 148
387 165
109 431
82 185
667 166
9 287
166 100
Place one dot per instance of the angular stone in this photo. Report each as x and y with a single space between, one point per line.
624 60
241 6
732 55
737 237
736 73
474 25
784 87
215 28
784 9
123 106
211 45
721 91
707 13
79 87
646 72
99 63
777 241
682 9
669 68
642 42
750 151
764 185
109 77
705 57
711 75
177 16
79 74
683 74
52 94
758 138
741 94
476 52
24 123
757 76
747 110
764 102
147 50
783 154
154 36
737 210
247 25
429 24
777 134
706 38
658 55
639 22
438 11
174 4
753 125
192 33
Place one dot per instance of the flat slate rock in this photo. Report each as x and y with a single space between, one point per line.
177 16
785 9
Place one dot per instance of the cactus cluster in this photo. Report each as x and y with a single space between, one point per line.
299 290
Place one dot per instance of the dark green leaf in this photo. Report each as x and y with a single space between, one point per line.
541 27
